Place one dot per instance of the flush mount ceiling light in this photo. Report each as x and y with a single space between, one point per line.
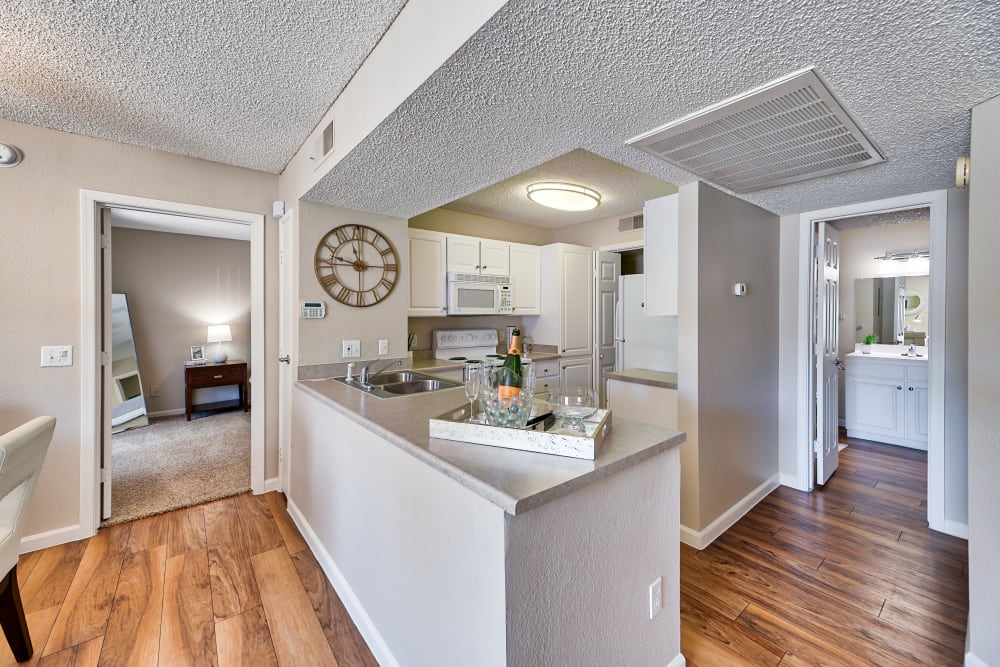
9 156
564 196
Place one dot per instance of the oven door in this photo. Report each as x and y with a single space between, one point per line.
473 298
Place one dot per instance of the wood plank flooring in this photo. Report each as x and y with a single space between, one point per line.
227 584
848 575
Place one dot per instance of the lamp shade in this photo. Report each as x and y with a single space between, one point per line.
219 333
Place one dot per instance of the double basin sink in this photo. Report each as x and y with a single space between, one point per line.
394 384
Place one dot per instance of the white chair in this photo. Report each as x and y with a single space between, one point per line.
21 454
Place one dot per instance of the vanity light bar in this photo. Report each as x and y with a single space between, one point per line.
903 255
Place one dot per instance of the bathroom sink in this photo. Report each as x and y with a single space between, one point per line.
398 383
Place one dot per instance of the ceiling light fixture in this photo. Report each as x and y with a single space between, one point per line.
564 196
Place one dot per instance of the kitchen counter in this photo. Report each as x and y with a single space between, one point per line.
513 480
643 376
501 557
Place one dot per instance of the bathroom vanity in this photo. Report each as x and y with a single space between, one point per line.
886 396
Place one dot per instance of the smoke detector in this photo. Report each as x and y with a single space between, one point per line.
10 156
791 129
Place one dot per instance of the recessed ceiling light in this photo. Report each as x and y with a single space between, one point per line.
564 196
9 156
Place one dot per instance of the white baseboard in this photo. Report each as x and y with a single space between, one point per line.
700 540
51 538
679 661
792 481
354 608
166 413
273 484
953 528
972 661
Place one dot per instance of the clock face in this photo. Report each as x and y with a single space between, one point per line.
356 265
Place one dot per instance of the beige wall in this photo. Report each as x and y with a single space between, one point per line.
177 285
728 351
320 341
984 386
40 280
455 222
598 233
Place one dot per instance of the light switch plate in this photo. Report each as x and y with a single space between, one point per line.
57 355
383 347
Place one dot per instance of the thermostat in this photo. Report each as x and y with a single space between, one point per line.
313 310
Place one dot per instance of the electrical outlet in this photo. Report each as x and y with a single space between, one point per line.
383 347
154 391
352 348
57 355
655 597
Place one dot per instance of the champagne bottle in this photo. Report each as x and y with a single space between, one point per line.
510 376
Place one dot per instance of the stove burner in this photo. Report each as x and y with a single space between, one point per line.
496 356
457 358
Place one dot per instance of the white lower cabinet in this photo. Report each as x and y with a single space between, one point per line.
546 375
886 400
576 372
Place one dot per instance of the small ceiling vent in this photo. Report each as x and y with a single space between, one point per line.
788 130
630 223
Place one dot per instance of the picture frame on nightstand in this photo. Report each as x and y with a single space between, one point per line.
197 353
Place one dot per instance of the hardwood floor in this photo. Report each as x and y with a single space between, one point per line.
228 583
848 575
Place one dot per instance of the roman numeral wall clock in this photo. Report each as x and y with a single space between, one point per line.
356 265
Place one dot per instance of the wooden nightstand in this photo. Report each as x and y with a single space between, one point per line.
216 375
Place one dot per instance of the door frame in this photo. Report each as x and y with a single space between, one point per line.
937 202
91 418
288 336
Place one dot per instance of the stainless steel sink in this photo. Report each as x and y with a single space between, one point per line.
399 383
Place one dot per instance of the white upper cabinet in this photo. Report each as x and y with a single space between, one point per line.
467 254
567 290
525 278
660 226
428 287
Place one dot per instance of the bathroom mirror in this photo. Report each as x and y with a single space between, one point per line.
894 308
128 405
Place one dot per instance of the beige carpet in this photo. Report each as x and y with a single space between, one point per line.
174 463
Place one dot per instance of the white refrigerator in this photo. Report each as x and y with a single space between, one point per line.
643 341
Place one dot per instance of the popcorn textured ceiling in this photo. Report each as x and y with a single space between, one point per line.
242 83
542 79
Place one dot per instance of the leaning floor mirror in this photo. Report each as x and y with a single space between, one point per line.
128 405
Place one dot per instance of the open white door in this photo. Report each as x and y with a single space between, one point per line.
609 268
287 321
825 348
106 346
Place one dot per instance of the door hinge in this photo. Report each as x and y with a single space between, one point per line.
817 251
105 358
105 475
105 241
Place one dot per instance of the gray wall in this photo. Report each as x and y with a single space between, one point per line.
176 286
984 386
737 350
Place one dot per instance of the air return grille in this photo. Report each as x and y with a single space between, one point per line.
788 130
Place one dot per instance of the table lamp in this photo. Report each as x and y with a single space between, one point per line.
219 333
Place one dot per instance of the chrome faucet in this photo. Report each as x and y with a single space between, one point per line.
365 374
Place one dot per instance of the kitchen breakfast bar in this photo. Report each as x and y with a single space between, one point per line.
452 553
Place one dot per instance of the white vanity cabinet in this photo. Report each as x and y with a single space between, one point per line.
886 399
468 254
428 288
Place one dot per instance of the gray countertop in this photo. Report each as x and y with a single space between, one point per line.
513 480
643 376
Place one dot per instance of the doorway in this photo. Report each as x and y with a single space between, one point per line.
95 427
945 338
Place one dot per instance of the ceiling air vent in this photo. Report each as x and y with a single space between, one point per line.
630 223
788 130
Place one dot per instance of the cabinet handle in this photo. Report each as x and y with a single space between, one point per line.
898 387
216 377
911 388
479 267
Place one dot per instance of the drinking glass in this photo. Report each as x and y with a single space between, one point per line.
472 376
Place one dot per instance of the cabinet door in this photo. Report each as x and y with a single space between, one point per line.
463 254
916 412
576 372
660 227
875 406
525 277
576 311
428 289
546 384
494 258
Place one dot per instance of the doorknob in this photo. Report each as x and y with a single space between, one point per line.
285 359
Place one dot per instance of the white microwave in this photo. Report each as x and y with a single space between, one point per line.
473 294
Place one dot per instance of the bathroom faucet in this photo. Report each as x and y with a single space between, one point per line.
365 374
